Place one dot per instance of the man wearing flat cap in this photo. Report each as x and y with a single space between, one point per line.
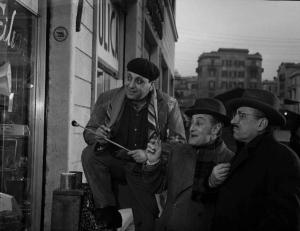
189 166
130 116
262 190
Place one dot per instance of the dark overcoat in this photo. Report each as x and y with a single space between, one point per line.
181 213
262 191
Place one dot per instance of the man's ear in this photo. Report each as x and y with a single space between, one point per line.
263 124
216 128
151 86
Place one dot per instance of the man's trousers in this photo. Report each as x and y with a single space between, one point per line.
102 171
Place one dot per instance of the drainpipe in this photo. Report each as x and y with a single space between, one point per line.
124 45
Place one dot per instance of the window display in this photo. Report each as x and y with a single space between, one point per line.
17 65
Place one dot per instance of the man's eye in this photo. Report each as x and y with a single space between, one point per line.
139 81
242 115
197 123
129 78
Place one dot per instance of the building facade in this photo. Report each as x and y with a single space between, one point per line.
57 57
288 85
228 68
186 90
271 85
294 89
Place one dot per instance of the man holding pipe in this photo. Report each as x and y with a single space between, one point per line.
130 116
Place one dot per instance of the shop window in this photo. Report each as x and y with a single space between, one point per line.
103 81
17 71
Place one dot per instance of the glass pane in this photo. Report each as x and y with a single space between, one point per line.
17 27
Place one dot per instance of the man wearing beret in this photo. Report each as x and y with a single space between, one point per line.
130 116
262 190
188 168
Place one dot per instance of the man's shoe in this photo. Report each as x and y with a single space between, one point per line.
108 217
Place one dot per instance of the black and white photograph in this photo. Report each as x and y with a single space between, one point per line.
149 115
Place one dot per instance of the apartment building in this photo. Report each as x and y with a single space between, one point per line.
186 90
228 68
271 85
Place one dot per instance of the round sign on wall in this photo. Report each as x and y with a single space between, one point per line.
60 33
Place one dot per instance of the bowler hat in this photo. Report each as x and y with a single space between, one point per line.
209 106
262 100
143 67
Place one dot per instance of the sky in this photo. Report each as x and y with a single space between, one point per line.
271 28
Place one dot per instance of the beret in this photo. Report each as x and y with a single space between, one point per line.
143 67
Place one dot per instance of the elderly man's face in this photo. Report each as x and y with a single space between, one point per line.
201 129
136 86
246 124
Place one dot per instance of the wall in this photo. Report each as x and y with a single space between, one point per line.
81 87
69 93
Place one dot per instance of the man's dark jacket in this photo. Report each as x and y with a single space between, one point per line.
181 213
262 191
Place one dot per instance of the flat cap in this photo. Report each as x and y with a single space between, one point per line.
144 68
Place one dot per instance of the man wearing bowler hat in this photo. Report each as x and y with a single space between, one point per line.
130 116
189 166
262 190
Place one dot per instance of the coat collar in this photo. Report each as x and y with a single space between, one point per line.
247 150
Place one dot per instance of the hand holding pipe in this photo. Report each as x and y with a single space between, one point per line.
75 124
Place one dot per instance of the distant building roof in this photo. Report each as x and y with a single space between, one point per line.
235 50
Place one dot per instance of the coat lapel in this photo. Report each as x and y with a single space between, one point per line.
238 160
244 154
185 169
116 105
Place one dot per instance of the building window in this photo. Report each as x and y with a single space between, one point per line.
253 74
253 85
195 86
224 85
241 74
241 85
212 73
234 74
224 73
211 84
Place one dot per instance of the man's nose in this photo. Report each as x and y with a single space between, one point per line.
131 84
191 127
234 119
